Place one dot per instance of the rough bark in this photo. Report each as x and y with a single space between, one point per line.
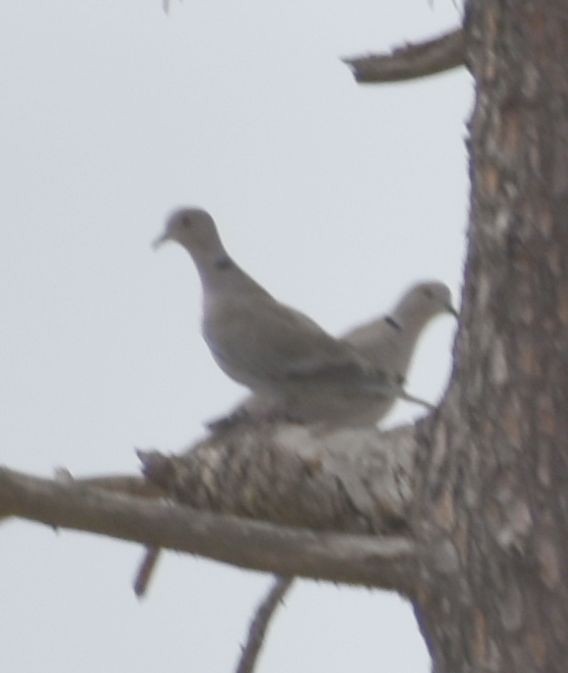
345 480
492 468
356 481
411 60
387 562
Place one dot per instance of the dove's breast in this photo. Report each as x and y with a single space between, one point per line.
231 330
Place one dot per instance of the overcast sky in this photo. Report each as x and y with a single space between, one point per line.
335 196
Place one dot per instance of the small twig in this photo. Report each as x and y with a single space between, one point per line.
131 486
260 622
145 570
411 61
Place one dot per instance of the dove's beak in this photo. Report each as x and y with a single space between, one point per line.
160 240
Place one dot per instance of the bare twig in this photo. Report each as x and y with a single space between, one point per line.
131 486
388 562
410 61
260 622
145 570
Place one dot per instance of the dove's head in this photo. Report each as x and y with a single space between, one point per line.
423 302
195 230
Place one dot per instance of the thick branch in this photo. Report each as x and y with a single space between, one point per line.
388 562
351 480
356 481
411 61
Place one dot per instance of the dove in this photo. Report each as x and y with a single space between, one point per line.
272 349
389 342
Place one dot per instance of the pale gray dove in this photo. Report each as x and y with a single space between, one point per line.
277 352
389 342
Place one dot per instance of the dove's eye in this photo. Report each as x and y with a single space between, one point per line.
185 221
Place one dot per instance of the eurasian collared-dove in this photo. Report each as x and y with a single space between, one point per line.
389 342
277 352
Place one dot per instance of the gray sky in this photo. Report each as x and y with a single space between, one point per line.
334 196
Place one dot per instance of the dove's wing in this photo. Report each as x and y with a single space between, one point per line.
261 343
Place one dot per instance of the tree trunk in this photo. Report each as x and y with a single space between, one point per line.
493 466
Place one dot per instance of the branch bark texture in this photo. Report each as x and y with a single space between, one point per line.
360 559
411 60
356 481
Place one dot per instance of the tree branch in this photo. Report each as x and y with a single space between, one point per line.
388 562
259 624
350 480
356 481
410 61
